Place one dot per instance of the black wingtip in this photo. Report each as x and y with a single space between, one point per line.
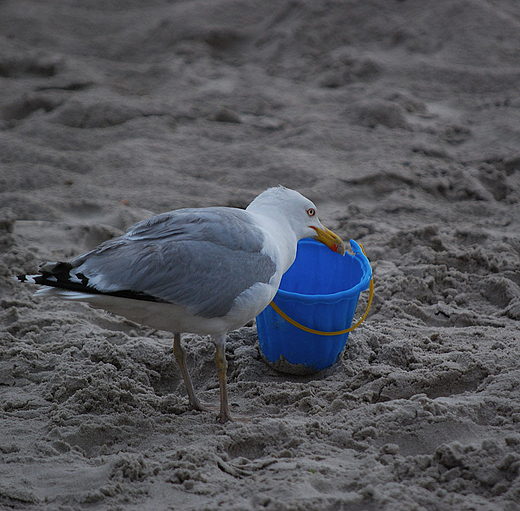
31 279
56 275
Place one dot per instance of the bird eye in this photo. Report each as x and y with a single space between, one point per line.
311 211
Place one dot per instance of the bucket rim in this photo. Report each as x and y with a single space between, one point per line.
339 295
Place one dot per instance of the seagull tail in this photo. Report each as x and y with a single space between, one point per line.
55 275
59 280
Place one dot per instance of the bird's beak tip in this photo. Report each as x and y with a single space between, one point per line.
339 248
330 239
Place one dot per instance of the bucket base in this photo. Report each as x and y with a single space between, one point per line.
282 365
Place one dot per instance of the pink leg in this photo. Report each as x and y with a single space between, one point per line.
180 356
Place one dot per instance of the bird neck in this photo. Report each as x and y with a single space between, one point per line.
279 232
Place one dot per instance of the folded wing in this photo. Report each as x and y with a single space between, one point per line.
198 258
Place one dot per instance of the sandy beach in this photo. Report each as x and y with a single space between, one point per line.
399 119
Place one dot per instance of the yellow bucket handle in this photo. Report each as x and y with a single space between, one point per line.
339 332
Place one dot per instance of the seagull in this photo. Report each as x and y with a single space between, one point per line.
199 270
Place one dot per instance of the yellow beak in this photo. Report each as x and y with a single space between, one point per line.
331 239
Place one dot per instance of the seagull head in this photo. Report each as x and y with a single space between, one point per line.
291 207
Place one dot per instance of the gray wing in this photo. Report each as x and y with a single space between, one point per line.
199 258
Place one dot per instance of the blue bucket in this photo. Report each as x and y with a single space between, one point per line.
320 291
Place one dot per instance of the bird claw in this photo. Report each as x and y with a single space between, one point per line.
203 407
223 418
233 418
